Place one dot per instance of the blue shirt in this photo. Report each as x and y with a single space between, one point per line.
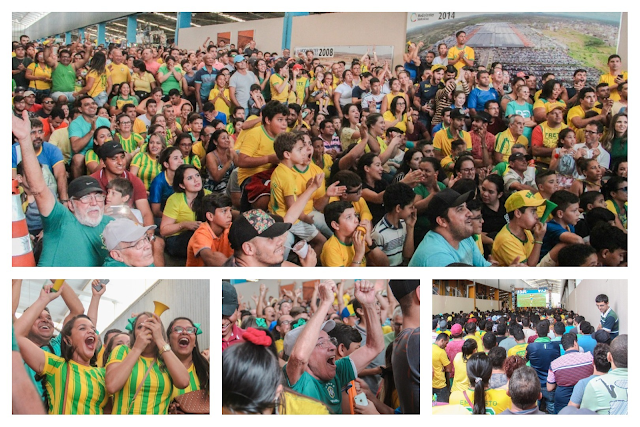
552 236
79 127
587 342
207 81
220 116
478 97
435 251
160 190
540 354
49 155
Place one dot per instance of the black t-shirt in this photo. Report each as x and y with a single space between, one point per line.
20 78
377 209
357 92
493 221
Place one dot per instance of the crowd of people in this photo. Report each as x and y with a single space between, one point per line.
529 361
226 156
343 350
140 369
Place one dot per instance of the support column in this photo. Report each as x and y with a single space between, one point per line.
183 21
67 37
102 30
81 34
287 26
132 28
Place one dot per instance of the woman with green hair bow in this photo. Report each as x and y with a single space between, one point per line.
182 333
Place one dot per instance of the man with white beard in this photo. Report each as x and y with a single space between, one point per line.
72 237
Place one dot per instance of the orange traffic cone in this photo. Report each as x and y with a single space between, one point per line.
22 250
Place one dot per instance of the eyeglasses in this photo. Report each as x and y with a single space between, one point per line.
324 344
124 123
623 189
179 329
467 170
88 104
356 191
86 199
477 218
47 102
285 322
140 244
590 131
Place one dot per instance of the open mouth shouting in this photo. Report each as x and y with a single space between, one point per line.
332 361
90 342
183 343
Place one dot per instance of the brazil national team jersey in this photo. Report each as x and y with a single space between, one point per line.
194 383
154 396
86 390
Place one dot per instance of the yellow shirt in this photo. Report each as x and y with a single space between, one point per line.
276 80
60 138
496 400
39 72
301 405
338 254
460 379
477 339
455 51
220 105
360 206
86 392
382 142
327 162
142 84
390 117
578 111
284 183
543 103
130 144
119 73
198 150
178 209
443 138
255 143
518 350
439 361
301 84
303 177
139 127
505 142
99 83
506 247
194 383
154 395
611 80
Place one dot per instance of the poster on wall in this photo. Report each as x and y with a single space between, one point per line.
534 43
331 54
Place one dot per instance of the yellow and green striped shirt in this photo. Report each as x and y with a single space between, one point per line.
86 391
154 396
194 383
193 160
148 168
91 156
130 144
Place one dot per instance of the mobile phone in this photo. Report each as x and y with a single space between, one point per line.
100 285
621 76
361 399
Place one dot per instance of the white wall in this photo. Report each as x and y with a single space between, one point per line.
266 32
447 304
582 300
484 304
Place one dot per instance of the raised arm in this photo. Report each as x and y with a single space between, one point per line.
92 311
177 371
261 301
119 372
365 294
21 128
306 342
31 353
73 303
16 288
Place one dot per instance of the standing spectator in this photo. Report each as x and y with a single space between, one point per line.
540 354
240 84
609 393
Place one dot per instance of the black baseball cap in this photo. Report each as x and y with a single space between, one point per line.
402 288
444 200
518 156
110 149
457 113
84 185
229 299
255 223
482 115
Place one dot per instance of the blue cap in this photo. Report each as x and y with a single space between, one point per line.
238 58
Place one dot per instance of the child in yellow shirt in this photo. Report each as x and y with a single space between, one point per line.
347 247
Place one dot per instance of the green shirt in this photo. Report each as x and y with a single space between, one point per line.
63 78
608 394
171 82
421 190
110 262
327 392
67 243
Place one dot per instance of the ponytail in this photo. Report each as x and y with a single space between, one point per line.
479 371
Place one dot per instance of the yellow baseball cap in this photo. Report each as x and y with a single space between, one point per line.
437 67
521 199
550 106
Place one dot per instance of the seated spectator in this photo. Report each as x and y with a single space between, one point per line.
524 391
128 243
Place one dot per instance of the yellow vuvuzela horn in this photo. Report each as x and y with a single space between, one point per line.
57 284
159 308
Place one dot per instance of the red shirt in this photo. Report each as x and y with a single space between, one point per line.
236 337
139 192
476 146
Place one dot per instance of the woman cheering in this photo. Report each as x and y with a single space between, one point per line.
142 377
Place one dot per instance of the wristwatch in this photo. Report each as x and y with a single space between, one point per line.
165 348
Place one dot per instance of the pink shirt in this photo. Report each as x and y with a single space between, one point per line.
236 337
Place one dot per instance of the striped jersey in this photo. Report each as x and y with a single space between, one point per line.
91 156
154 395
193 160
390 239
194 383
148 168
86 391
130 144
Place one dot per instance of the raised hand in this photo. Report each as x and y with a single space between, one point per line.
335 190
21 127
47 295
365 292
97 282
326 290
